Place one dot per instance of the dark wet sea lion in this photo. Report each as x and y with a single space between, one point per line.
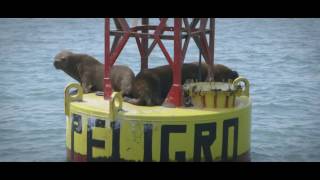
89 72
221 72
151 86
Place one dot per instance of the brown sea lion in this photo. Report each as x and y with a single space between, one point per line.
151 86
221 72
90 72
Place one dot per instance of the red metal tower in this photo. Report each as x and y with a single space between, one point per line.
182 30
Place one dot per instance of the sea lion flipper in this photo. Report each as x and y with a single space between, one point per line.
134 101
85 79
86 84
87 88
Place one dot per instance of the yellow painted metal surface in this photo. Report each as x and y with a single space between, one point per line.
114 130
216 94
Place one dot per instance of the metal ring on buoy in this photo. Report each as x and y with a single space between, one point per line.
246 82
113 108
70 98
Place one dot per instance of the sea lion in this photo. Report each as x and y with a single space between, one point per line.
221 72
151 86
90 72
121 79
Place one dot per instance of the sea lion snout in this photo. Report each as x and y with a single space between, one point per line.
57 64
61 58
60 63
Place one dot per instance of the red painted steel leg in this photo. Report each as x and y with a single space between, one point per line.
175 94
144 42
211 49
211 36
107 61
124 25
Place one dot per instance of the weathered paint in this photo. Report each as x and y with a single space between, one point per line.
137 133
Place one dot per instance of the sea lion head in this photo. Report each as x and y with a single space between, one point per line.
61 59
234 75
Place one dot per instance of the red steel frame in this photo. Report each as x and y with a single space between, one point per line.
124 32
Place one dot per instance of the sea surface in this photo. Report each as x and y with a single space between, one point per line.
280 58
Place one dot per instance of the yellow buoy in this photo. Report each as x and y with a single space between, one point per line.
113 130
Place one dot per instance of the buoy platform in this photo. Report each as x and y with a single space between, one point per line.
113 130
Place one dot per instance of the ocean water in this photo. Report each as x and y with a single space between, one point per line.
280 57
